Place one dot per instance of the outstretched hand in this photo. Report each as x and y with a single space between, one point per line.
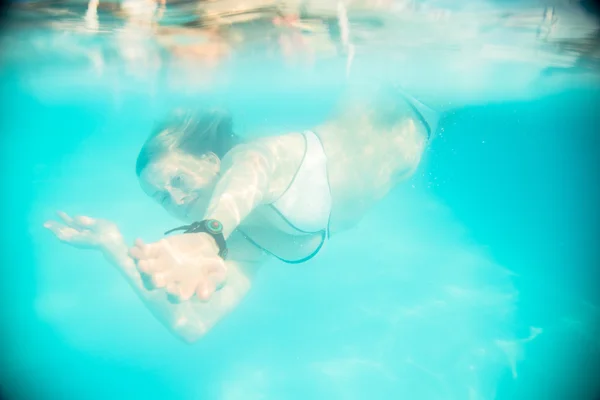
184 265
85 232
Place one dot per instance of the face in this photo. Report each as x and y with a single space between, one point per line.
181 183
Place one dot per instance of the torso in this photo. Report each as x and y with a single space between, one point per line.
362 165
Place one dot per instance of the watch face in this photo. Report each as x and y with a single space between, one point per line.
214 226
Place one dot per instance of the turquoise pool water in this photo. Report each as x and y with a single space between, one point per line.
480 285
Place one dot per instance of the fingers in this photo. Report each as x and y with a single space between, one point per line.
149 267
214 280
53 226
181 287
154 280
63 233
161 279
187 290
205 290
138 251
84 221
141 250
178 292
183 277
77 222
216 273
65 217
153 273
179 283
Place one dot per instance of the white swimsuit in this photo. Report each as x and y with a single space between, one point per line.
306 204
301 215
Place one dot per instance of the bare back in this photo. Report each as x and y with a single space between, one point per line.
370 147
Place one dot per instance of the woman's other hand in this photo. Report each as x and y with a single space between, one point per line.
85 232
183 265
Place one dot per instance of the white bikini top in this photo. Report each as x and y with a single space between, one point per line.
295 226
306 204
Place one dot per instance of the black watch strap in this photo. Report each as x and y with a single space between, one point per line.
209 226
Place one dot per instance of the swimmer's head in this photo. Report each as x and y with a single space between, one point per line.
179 164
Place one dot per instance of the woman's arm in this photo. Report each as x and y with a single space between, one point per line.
254 174
97 234
187 320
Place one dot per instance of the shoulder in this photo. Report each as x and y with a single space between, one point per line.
274 160
280 144
279 149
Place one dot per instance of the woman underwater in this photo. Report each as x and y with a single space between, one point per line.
246 201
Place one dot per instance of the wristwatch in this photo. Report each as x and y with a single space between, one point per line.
210 226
